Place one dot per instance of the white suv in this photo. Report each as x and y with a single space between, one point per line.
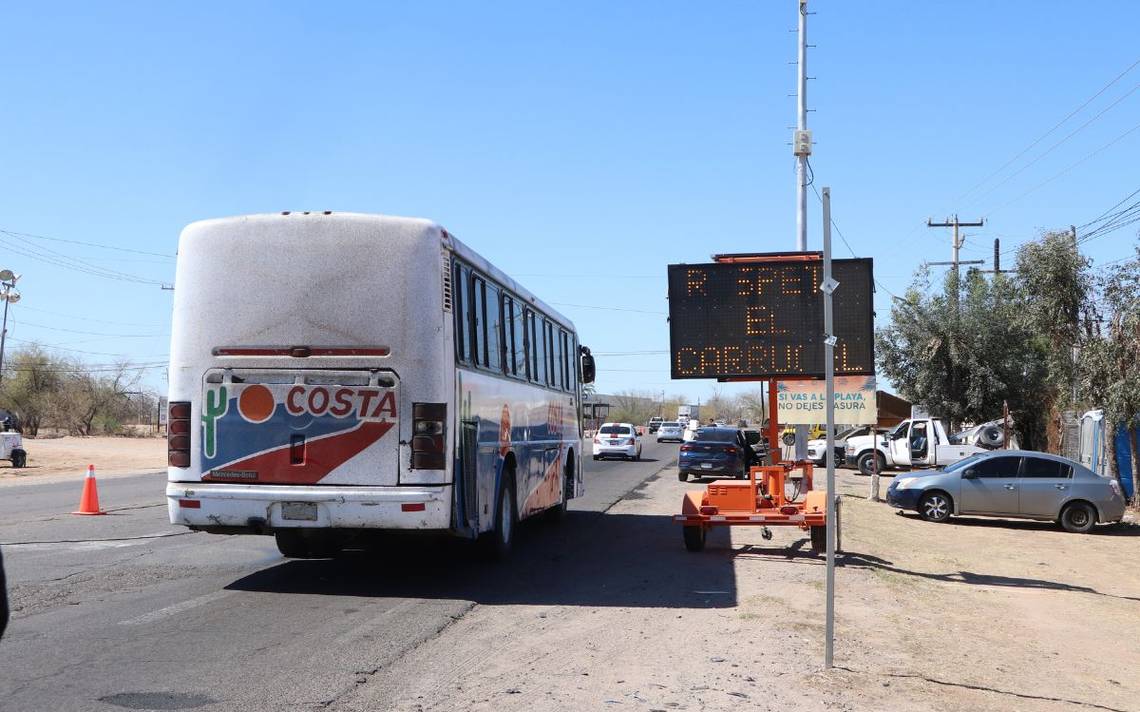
617 440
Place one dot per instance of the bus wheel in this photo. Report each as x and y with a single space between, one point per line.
497 542
558 512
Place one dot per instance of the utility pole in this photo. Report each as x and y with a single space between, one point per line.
801 147
997 260
828 289
956 245
802 139
8 293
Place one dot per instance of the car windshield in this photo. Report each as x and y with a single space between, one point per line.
962 464
615 430
716 435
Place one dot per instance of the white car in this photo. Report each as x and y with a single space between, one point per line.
617 440
671 430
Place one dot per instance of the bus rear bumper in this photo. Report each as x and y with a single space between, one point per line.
262 508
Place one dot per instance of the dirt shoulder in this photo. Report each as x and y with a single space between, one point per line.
52 459
974 614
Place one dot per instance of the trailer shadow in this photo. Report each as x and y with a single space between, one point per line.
589 559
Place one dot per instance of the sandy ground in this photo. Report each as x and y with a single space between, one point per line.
971 615
52 459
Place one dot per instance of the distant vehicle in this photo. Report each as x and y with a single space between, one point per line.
12 442
817 449
914 443
686 413
415 386
655 423
715 451
617 440
691 428
671 430
1012 483
758 441
814 433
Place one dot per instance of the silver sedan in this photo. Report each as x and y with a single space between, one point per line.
1012 483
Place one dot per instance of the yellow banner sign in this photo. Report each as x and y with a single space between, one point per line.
805 402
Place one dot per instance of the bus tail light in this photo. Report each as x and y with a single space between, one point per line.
427 436
178 434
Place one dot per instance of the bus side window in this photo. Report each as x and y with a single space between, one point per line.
479 321
459 285
494 329
538 351
517 348
548 341
567 381
556 359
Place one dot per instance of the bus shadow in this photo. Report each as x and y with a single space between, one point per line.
590 559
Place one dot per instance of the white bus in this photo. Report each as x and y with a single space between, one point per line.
337 373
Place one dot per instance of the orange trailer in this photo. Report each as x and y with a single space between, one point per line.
761 501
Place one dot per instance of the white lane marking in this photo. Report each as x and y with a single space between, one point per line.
175 609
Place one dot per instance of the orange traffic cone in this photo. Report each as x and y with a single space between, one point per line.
89 502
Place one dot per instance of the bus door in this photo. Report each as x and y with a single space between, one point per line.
468 458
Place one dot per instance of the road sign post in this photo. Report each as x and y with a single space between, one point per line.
828 288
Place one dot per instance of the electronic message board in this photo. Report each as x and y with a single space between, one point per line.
764 319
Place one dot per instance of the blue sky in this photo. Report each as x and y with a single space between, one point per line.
580 146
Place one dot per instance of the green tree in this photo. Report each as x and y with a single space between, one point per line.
1055 288
33 382
963 351
1109 371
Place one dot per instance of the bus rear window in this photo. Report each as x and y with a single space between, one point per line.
614 430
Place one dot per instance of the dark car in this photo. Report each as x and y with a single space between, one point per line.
723 452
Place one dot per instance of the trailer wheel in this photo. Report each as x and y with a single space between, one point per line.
818 539
694 538
19 458
866 463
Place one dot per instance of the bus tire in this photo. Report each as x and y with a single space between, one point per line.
497 542
558 512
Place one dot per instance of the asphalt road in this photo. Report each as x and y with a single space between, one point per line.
125 611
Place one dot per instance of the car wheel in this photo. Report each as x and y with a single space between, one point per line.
694 538
866 463
1078 518
597 457
935 506
682 475
19 458
637 456
788 438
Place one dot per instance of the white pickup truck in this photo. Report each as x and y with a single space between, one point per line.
914 443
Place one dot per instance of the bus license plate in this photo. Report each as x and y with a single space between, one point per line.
299 511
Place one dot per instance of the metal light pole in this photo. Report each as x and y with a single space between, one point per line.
828 289
9 294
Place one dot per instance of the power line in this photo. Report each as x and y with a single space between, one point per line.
91 333
24 307
78 351
1066 169
619 309
59 259
1056 126
1049 150
87 244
